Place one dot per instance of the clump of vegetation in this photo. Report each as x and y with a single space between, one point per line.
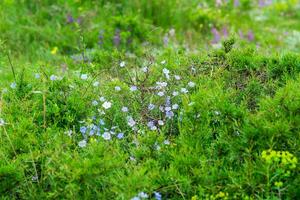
149 100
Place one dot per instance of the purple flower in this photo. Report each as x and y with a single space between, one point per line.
70 19
225 31
216 35
262 3
250 35
236 3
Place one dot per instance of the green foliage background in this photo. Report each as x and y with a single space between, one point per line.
246 100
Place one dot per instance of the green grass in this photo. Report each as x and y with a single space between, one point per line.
135 100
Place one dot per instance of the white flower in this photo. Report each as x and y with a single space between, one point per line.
130 121
53 77
145 69
175 106
102 99
168 108
124 109
122 64
106 136
160 94
84 76
172 32
13 85
2 122
166 142
164 84
166 71
175 93
96 84
95 103
191 84
163 62
117 88
82 143
160 122
161 108
177 77
184 90
143 195
151 106
69 133
106 105
133 88
37 76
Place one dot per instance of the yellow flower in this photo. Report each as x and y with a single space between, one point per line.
54 51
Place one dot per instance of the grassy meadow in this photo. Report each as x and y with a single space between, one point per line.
140 99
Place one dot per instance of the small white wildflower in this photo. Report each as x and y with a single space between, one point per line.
177 77
122 64
151 106
69 133
164 84
130 121
37 76
145 69
102 99
82 143
166 71
168 108
160 94
106 105
166 142
163 62
161 108
117 88
106 136
2 122
191 84
143 195
184 90
96 84
124 109
84 76
133 88
175 93
217 112
175 106
13 85
160 122
53 77
94 103
172 32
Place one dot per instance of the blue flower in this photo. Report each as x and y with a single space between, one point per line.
169 114
133 88
120 135
157 195
83 129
